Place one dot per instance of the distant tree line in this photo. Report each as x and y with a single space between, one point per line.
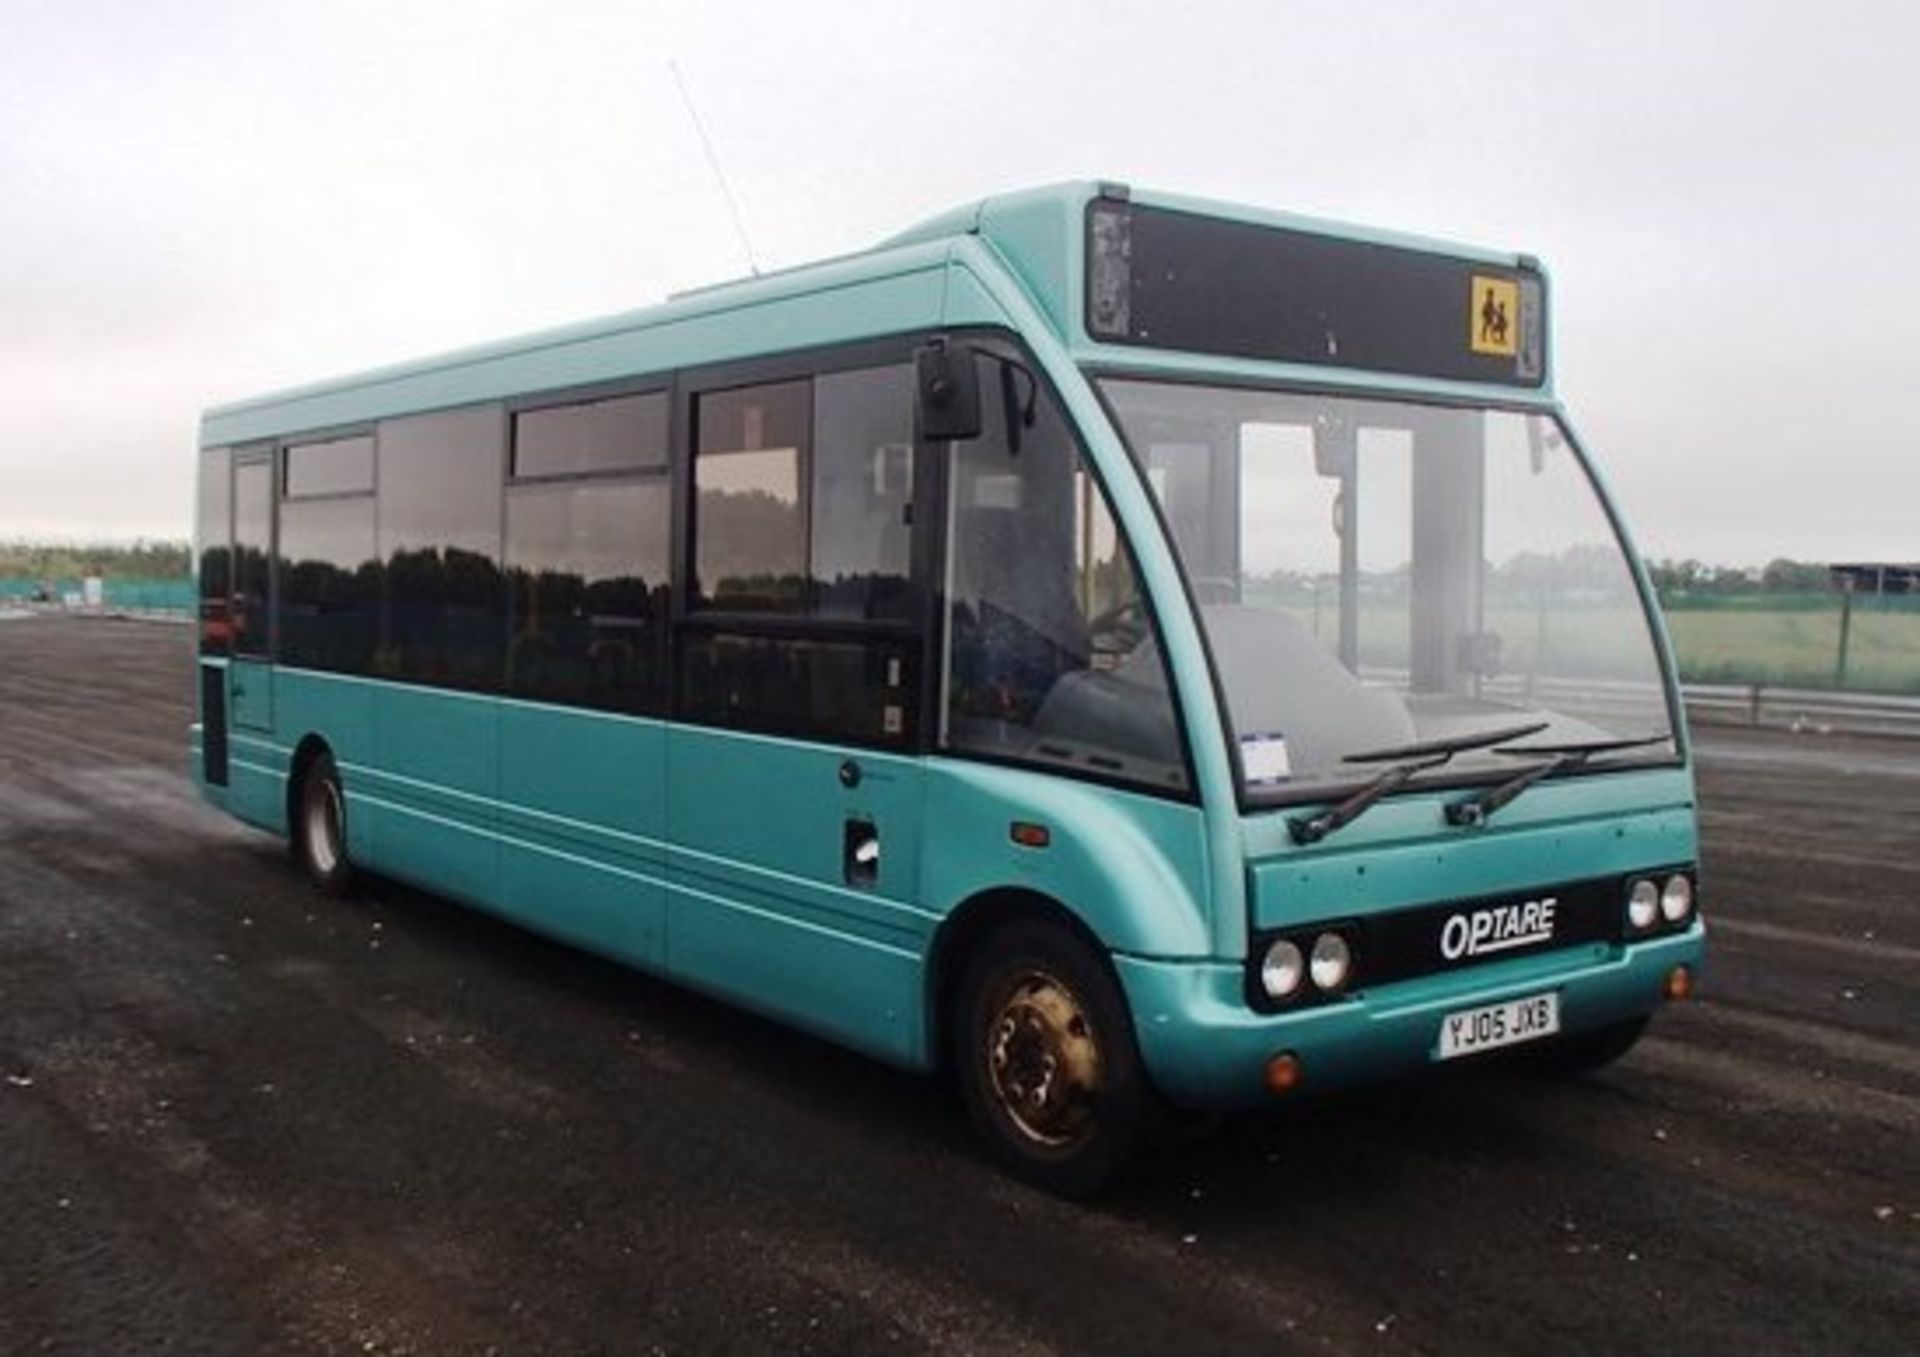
173 560
137 560
1694 579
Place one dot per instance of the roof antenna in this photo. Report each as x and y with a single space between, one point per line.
713 162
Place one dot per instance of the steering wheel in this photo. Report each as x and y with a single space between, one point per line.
1126 622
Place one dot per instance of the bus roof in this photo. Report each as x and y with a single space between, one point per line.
1042 237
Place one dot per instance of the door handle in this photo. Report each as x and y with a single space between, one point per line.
849 773
860 853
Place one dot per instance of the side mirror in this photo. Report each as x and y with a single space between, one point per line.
949 391
1335 445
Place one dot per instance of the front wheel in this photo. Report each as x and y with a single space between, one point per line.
320 827
1046 1059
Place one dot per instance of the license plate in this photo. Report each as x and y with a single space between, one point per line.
1472 1030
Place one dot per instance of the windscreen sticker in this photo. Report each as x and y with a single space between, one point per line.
1263 758
1494 317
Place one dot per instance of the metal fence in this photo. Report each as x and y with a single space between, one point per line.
1757 704
171 597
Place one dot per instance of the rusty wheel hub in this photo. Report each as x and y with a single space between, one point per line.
1044 1059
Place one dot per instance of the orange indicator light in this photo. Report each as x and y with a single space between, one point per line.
1283 1073
1029 835
1679 983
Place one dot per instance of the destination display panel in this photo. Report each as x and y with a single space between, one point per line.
1175 280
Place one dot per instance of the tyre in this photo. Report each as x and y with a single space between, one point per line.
1581 1052
1045 1055
320 827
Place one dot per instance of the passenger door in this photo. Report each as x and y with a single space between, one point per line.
794 785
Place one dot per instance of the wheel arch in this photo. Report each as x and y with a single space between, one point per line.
310 747
962 933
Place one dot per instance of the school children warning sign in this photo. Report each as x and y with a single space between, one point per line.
1494 317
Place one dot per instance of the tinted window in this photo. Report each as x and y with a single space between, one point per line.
439 524
252 555
587 573
1051 648
213 525
620 434
329 584
861 551
340 466
831 689
750 532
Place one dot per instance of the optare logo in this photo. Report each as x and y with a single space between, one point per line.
1497 928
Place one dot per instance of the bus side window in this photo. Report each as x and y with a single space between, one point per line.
1052 656
860 555
439 515
588 509
252 556
329 561
802 542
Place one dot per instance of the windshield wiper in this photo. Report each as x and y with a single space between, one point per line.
1560 758
1408 761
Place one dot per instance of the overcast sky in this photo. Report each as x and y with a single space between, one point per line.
200 201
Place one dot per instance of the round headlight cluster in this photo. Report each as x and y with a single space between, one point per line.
1643 904
1676 898
1281 970
1649 902
1284 969
1331 961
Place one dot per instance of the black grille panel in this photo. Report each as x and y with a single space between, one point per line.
1407 943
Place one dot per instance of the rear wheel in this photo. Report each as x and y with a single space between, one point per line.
320 827
1045 1054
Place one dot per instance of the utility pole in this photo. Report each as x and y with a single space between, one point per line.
1846 627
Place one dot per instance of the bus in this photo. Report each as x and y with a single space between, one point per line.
1134 655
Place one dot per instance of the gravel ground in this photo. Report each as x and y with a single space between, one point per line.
235 1116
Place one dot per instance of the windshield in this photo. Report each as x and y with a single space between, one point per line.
1372 574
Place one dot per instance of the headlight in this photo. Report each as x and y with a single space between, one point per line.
1281 969
1676 898
1643 905
1332 960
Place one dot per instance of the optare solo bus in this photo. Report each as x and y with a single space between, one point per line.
1114 649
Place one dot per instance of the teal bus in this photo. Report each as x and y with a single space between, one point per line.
1127 652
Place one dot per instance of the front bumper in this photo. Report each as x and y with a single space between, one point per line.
1205 1048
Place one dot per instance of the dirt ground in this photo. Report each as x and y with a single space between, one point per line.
235 1116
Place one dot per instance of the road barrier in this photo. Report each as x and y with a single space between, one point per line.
1758 704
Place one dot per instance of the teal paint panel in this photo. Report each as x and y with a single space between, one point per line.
339 712
763 819
1571 830
582 819
1416 814
1132 867
760 907
605 903
431 790
970 303
250 694
1204 1047
1039 238
861 993
257 781
849 300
